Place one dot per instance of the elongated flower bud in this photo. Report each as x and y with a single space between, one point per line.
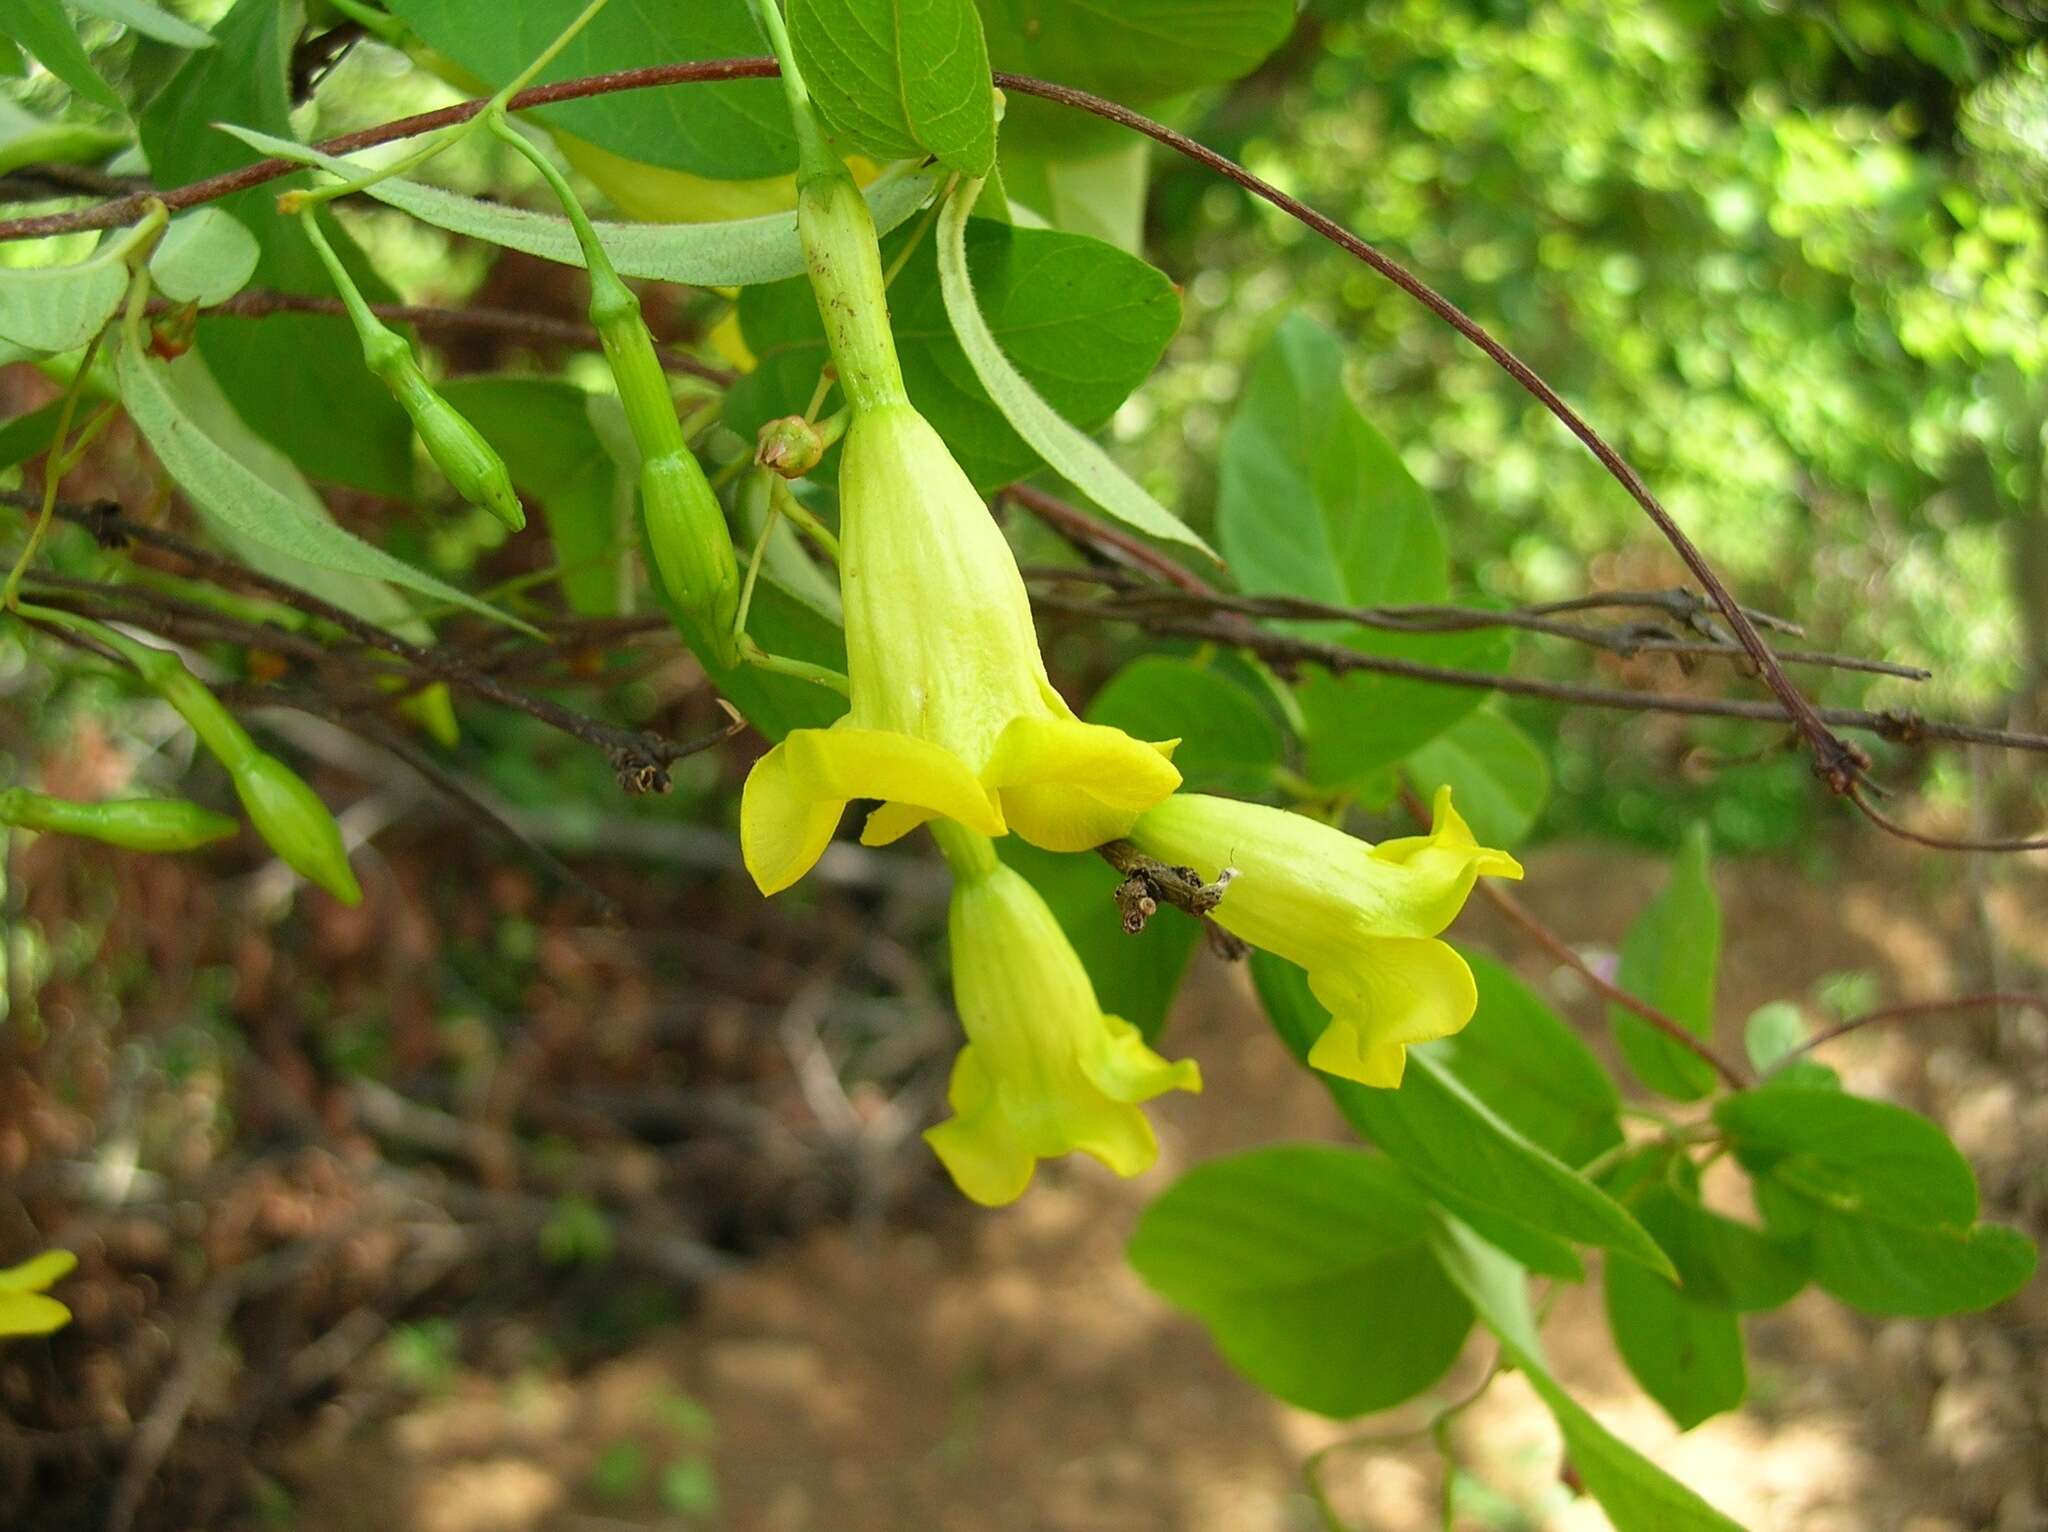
692 549
457 447
686 530
296 825
138 824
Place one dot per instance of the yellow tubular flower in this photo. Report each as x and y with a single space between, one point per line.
1044 1072
1361 919
952 715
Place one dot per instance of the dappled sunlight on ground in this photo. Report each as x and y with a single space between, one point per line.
1006 1370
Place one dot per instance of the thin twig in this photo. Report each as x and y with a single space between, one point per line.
1285 649
640 758
1911 1010
534 329
1838 763
1938 842
1560 949
1624 643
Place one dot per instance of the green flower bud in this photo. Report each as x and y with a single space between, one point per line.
692 549
296 825
138 824
790 446
457 447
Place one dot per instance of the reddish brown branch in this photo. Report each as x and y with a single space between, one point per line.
1837 762
1560 949
121 210
1937 842
1909 1011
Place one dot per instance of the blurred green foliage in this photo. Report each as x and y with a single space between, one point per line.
1792 259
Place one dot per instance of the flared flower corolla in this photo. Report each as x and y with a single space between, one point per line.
1044 1072
1362 919
952 716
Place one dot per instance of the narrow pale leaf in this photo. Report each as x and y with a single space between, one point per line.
149 20
59 308
1073 455
738 253
1637 1495
225 488
42 27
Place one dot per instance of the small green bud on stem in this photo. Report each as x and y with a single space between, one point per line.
296 825
692 549
457 447
286 812
790 446
137 824
686 528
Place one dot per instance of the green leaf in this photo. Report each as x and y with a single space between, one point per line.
1445 1136
1687 1357
1311 1267
1856 1153
1498 777
1722 1263
1072 454
1229 743
1358 724
1135 976
206 256
149 20
297 379
42 28
733 131
26 435
1084 322
59 308
541 427
1102 196
1135 51
1884 1265
204 404
1668 959
1313 502
1526 1063
900 78
1773 1033
739 252
225 489
1637 1495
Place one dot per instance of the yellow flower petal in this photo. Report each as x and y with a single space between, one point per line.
31 1314
893 821
1044 1072
845 763
1069 786
1384 995
38 1271
783 828
1449 842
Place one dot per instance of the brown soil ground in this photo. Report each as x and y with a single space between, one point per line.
1006 1370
